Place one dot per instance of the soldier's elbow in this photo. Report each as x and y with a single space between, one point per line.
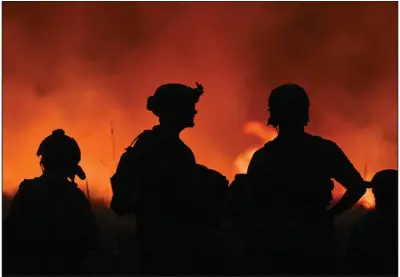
359 190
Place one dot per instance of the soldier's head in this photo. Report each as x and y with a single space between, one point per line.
384 186
174 104
61 154
288 106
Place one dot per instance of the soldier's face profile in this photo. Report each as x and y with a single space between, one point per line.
187 117
182 116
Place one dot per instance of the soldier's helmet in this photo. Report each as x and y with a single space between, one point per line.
384 184
174 97
61 151
288 104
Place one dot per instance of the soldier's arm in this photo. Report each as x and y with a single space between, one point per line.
15 214
86 220
17 204
344 172
245 199
258 166
255 164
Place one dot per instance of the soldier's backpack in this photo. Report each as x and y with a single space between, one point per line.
127 182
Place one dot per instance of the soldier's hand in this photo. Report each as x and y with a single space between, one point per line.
368 184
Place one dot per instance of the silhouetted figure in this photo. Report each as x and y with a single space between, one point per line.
50 228
240 202
290 180
373 247
239 215
174 199
215 257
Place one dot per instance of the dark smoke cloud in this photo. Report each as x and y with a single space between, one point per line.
341 52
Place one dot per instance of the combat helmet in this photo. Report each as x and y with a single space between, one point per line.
60 150
288 104
173 97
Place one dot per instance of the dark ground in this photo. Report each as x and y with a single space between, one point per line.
117 236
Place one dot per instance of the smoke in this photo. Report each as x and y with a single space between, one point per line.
79 66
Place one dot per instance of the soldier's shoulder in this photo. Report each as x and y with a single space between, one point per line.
146 134
315 138
143 142
259 154
28 187
146 138
27 184
77 196
76 190
31 181
268 146
322 142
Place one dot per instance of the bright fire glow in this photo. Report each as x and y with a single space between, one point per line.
80 66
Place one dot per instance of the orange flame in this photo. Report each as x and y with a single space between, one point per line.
101 66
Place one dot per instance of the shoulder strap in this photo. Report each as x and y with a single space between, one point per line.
145 132
132 143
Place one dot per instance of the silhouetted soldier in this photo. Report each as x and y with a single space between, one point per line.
215 256
50 227
373 247
239 216
290 179
159 180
